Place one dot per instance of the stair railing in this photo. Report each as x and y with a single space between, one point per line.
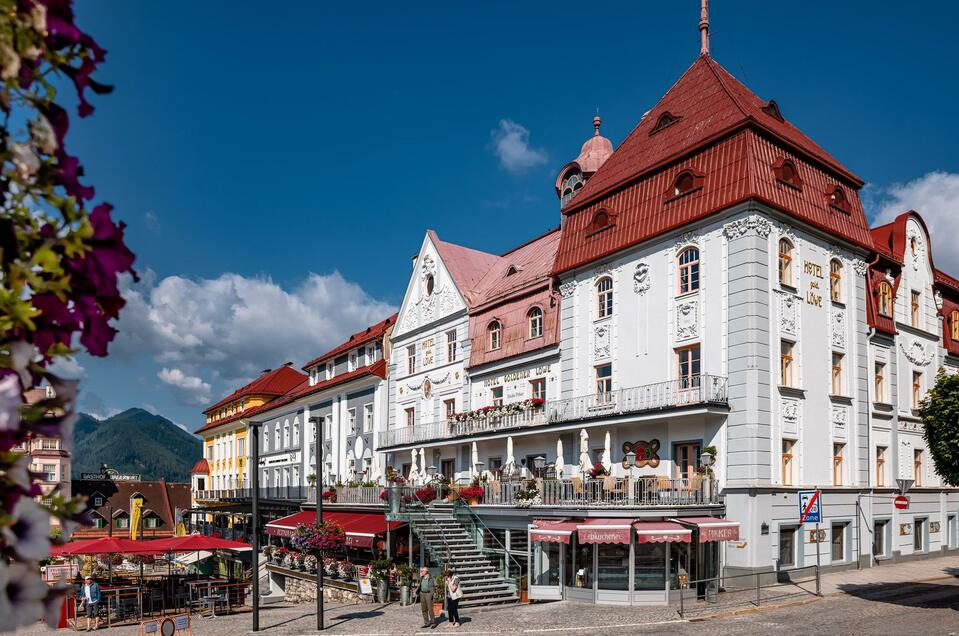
402 504
509 568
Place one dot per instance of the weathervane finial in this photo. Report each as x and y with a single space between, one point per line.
704 28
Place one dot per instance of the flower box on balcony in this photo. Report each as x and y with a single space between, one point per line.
486 412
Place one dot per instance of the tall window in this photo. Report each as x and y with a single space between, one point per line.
604 381
835 280
266 440
410 415
535 322
328 426
954 324
241 447
837 375
788 446
276 437
449 407
572 183
917 467
880 382
497 393
915 307
411 359
494 334
367 418
286 435
451 345
885 299
604 297
837 463
686 460
785 262
351 418
296 433
880 466
688 270
916 389
838 542
537 389
688 366
786 363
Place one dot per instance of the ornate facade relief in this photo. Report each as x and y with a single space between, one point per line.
916 352
741 227
790 415
789 313
840 417
566 289
838 325
427 384
913 236
641 278
601 342
687 239
687 319
433 297
859 266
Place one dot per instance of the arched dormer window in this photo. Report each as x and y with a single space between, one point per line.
665 120
494 335
572 183
602 220
511 270
535 318
786 172
687 272
785 262
954 325
836 197
835 280
604 297
885 299
686 181
771 108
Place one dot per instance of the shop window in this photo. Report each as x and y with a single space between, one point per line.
649 564
546 558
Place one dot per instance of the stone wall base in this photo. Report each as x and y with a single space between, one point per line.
304 591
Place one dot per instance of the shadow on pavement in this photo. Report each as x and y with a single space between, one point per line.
922 595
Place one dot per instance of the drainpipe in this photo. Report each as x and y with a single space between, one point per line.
859 514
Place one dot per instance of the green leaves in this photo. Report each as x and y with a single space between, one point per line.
940 414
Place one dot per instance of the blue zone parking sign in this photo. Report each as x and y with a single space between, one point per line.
810 510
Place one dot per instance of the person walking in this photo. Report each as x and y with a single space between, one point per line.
453 595
91 601
427 587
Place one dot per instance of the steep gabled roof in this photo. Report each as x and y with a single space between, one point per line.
531 263
467 266
271 384
370 334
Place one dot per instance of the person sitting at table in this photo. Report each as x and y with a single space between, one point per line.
91 601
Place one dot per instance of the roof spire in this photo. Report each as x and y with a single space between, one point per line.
596 122
704 28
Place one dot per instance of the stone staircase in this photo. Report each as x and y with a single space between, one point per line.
448 542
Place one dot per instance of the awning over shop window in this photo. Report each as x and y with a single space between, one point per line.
712 529
604 531
552 530
360 527
662 532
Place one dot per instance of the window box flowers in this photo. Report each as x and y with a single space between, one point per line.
309 563
280 554
330 496
485 412
347 570
528 496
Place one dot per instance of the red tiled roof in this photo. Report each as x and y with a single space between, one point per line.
272 383
160 497
201 466
466 266
369 334
722 133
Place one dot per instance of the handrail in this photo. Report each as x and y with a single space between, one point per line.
444 562
477 523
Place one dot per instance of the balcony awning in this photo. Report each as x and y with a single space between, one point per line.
552 530
712 529
360 527
662 532
604 531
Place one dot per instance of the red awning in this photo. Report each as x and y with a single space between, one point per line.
712 529
552 530
662 532
360 527
604 531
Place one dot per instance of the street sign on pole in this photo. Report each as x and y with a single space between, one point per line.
905 485
810 509
901 502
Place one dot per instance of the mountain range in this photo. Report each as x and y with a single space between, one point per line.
134 441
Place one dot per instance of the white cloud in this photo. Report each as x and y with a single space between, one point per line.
192 390
68 368
935 196
511 145
223 332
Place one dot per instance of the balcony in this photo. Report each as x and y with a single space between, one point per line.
282 493
700 390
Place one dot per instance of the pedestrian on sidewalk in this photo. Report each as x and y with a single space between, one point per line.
453 595
427 587
90 593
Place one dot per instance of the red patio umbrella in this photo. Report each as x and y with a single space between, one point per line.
192 543
107 545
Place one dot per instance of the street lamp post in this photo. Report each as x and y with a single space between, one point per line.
254 435
317 436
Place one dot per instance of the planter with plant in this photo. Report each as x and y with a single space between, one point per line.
404 579
528 495
347 570
439 595
267 551
379 576
280 554
330 566
473 494
309 563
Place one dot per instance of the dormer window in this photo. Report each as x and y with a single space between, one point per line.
836 197
665 120
573 182
772 109
885 299
511 270
601 221
786 172
535 317
494 335
686 181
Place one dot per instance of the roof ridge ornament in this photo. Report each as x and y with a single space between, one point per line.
704 28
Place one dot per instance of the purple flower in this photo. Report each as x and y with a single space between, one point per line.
29 532
22 594
10 401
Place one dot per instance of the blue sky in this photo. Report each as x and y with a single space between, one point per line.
278 164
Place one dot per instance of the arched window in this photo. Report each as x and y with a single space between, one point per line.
688 264
601 221
954 324
494 335
786 171
885 299
430 283
535 317
604 297
837 199
666 119
685 182
785 262
572 183
266 439
835 280
913 245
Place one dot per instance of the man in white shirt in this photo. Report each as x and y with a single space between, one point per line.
90 593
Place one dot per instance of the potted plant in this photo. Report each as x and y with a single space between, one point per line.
528 495
404 578
523 589
280 554
439 595
309 562
473 494
347 570
379 573
330 567
425 495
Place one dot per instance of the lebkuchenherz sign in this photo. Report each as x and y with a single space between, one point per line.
810 506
